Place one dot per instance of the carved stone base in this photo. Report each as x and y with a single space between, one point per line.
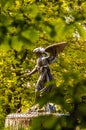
22 120
16 121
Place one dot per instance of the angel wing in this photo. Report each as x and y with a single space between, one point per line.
54 50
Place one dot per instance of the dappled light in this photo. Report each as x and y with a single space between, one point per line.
25 25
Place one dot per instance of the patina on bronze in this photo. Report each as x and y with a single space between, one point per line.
44 58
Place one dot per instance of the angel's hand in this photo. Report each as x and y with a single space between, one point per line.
27 74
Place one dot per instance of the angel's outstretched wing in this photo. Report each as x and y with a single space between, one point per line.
54 50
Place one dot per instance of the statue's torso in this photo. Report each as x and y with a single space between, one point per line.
41 63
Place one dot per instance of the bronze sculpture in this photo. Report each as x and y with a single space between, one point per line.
45 57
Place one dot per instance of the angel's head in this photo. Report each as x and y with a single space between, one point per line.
39 51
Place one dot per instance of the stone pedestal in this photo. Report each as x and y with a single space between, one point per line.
18 120
23 120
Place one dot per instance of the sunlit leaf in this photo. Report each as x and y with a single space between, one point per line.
31 34
33 10
16 44
5 45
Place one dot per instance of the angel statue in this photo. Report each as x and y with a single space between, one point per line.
45 57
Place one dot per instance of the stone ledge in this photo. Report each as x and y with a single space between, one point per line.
23 119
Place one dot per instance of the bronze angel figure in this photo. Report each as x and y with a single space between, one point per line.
44 58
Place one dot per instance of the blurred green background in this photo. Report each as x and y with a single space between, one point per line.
26 24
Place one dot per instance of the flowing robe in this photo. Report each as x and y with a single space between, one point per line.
45 81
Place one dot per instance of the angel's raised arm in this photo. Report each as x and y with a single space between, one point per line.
52 58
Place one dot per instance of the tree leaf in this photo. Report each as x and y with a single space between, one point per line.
16 44
31 34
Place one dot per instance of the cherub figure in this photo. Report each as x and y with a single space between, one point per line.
45 57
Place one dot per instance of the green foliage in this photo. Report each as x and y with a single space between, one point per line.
27 24
14 90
